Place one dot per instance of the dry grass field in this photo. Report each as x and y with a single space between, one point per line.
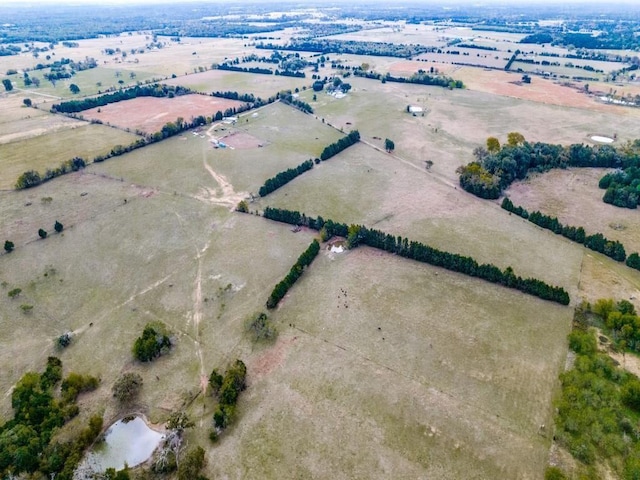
150 114
56 145
263 86
383 367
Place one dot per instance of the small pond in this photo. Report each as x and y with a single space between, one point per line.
125 442
601 139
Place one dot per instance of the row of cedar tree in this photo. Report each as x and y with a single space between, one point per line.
329 151
597 242
422 253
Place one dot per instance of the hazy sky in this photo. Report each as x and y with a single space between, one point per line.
299 2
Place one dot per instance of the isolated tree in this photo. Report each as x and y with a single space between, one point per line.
27 102
260 328
243 207
8 246
74 88
493 145
8 86
127 387
58 226
514 139
42 233
389 146
13 293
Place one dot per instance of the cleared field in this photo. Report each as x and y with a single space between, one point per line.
396 33
573 196
263 86
419 205
150 114
476 57
165 258
468 384
457 121
49 150
90 82
225 176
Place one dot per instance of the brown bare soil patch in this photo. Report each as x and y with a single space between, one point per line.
242 140
539 90
272 358
150 114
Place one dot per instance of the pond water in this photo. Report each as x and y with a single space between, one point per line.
125 442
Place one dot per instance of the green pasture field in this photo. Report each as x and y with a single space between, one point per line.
263 86
454 383
15 116
117 266
559 71
367 187
289 136
457 121
89 81
51 149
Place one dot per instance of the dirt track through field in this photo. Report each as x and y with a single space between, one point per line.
228 197
197 317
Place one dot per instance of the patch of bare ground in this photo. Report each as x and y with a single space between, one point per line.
539 90
150 114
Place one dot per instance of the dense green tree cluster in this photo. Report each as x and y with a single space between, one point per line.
151 344
283 178
336 147
423 253
611 248
621 321
25 440
304 260
154 90
288 98
227 389
493 171
598 409
622 187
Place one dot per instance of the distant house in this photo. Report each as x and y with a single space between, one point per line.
413 109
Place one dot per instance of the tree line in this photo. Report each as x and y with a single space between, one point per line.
336 147
422 253
304 260
155 90
351 47
420 78
496 166
32 178
287 97
283 178
597 242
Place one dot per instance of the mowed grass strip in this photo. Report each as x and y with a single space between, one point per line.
398 369
50 150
